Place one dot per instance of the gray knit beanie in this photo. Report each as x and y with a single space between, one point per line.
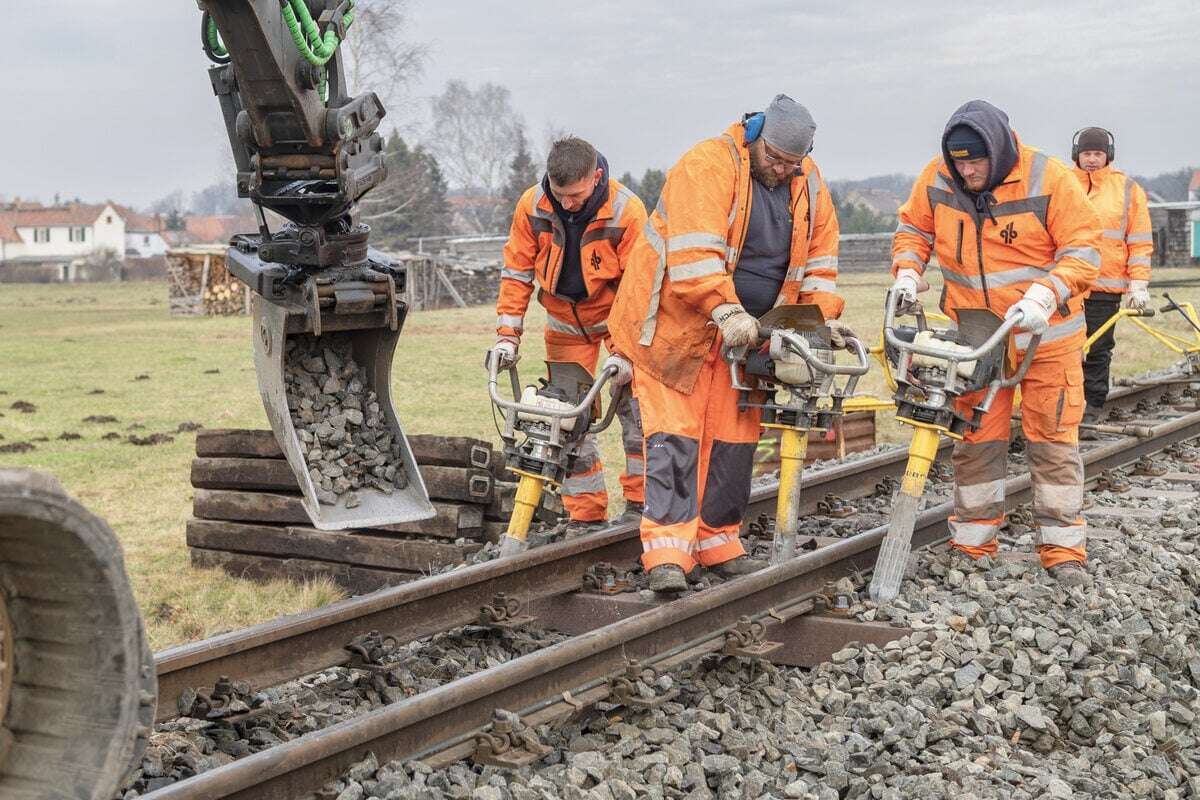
788 126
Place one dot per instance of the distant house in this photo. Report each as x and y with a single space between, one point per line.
143 234
1177 229
60 234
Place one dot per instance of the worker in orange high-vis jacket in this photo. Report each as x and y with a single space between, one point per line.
1126 247
572 235
1013 231
744 223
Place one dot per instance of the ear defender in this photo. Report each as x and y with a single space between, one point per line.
754 126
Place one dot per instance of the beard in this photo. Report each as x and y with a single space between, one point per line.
762 173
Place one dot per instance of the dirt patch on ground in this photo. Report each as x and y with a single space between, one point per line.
96 391
188 427
111 436
152 439
100 418
69 436
24 407
16 447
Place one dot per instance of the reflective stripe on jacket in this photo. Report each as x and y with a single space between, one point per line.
1127 243
1044 231
681 268
533 256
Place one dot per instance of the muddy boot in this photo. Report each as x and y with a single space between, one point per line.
632 513
1091 416
1070 574
667 579
578 529
736 567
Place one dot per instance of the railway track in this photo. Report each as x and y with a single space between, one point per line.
611 632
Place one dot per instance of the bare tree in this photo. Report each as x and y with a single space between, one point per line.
379 57
475 136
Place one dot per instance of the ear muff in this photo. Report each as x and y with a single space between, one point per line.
1110 151
754 126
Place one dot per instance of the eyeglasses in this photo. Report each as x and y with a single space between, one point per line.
783 162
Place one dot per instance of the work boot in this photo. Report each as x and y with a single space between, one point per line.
736 567
632 513
667 579
1070 574
1091 416
576 529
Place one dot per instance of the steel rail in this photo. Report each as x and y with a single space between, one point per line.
454 710
290 647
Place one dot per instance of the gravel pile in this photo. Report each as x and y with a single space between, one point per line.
346 440
241 722
1008 687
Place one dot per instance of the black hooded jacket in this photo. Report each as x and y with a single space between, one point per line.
570 279
992 125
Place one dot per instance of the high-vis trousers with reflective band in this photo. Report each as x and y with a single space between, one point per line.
1051 408
699 456
583 492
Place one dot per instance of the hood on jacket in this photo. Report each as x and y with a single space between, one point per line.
992 124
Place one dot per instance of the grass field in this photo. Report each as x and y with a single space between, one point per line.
60 344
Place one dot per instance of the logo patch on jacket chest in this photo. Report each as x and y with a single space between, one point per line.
1009 234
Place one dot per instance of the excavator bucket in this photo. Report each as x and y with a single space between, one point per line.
328 398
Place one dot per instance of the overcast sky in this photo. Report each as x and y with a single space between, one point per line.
109 98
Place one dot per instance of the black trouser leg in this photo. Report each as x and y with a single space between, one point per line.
1098 309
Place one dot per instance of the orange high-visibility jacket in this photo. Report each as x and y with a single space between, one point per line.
1128 240
1045 231
533 254
681 269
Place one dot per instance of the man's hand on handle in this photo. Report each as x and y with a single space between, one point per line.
738 327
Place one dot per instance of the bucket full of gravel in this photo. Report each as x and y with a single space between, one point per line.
329 402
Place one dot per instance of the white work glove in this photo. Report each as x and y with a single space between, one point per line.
624 374
505 353
839 332
1037 305
738 327
1139 294
908 284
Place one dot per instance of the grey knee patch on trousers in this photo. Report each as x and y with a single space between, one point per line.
672 463
727 485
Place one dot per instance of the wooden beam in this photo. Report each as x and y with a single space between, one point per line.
461 484
359 549
451 520
428 448
355 580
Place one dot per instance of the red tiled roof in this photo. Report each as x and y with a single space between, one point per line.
1194 185
56 216
218 228
8 233
138 223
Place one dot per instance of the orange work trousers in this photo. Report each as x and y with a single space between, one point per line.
1051 409
699 457
583 492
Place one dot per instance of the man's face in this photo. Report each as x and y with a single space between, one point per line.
1092 160
974 172
771 166
572 196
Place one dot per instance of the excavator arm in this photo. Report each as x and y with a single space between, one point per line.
327 309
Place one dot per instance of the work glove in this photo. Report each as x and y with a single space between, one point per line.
1139 295
738 327
908 284
839 332
505 353
624 374
1037 305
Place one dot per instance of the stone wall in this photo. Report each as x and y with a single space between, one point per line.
865 252
1172 237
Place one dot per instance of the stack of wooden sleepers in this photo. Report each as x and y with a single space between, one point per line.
247 516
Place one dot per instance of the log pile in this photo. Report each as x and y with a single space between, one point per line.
852 433
248 518
199 285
